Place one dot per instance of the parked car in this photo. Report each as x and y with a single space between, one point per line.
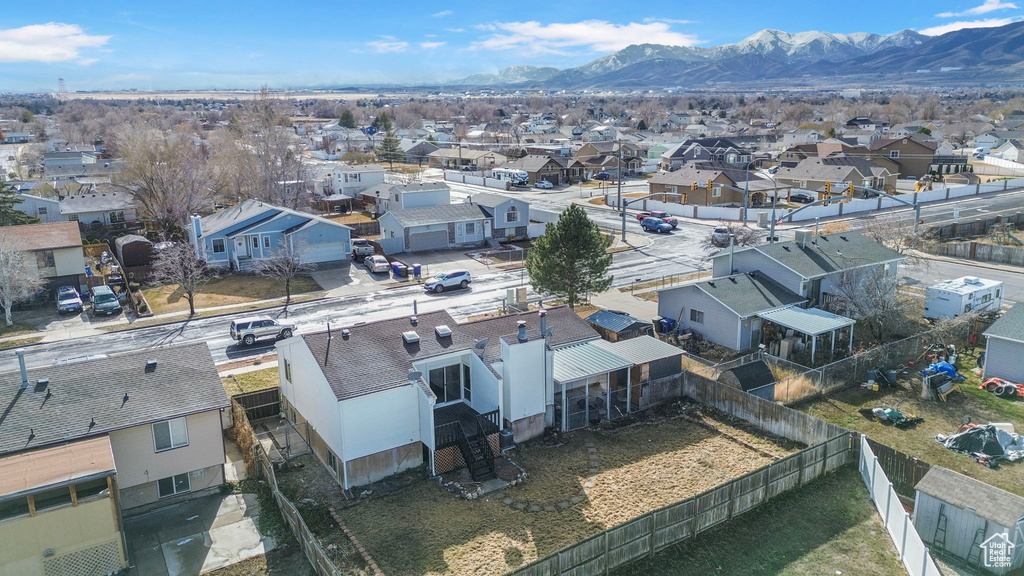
720 236
773 169
377 264
249 330
361 248
446 280
544 184
668 218
602 176
104 301
655 225
911 178
801 198
68 300
641 215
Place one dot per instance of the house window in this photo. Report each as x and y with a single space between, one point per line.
172 485
266 241
41 211
894 153
287 370
716 192
44 259
445 383
332 462
92 488
512 215
696 316
52 498
470 228
73 218
116 217
218 245
255 241
170 434
466 391
13 508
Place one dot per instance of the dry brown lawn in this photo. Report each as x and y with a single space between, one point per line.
250 381
225 291
351 217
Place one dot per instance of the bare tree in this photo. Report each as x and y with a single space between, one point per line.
168 176
895 230
179 264
742 237
869 294
285 264
17 278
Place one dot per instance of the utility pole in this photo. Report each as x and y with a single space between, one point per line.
619 177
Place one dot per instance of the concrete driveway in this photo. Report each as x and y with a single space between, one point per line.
195 537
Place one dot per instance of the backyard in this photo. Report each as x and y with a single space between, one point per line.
250 381
844 408
827 527
225 291
587 482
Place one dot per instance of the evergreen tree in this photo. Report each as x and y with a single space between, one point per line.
389 151
570 261
348 119
9 215
382 122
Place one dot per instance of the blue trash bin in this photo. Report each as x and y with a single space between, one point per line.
394 268
417 269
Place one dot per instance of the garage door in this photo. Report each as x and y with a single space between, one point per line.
325 252
435 240
553 178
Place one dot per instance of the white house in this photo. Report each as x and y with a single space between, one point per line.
348 179
409 196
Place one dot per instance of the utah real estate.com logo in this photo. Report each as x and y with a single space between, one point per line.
997 550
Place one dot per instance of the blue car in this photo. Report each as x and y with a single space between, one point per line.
655 225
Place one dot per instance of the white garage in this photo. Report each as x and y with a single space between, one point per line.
433 228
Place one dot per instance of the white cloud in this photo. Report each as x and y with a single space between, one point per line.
455 29
954 26
87 61
429 45
595 35
442 14
388 44
51 42
986 7
667 21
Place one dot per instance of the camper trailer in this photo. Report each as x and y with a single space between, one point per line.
952 298
515 177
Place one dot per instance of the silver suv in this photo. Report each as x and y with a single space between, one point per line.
448 280
249 330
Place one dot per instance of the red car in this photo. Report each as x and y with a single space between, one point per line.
668 218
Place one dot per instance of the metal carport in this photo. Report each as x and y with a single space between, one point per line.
811 321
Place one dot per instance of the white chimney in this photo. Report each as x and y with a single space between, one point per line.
21 363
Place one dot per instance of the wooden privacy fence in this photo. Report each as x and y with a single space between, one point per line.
657 530
260 404
903 470
319 560
977 251
974 226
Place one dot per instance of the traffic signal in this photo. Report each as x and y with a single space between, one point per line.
850 189
693 186
709 183
828 188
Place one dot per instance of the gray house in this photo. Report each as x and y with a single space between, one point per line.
1005 346
509 216
970 520
433 228
725 310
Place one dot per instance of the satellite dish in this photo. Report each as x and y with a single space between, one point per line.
481 344
549 332
415 375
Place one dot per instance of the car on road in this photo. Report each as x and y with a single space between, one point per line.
668 218
377 264
720 236
544 184
68 300
773 169
448 280
104 301
658 225
801 198
249 330
602 176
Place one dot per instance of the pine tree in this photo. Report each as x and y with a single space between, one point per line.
389 151
347 119
570 261
9 215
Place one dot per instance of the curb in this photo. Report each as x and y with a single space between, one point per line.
220 315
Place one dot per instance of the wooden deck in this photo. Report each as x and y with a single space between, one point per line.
461 412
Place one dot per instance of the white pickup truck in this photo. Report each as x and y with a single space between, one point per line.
361 248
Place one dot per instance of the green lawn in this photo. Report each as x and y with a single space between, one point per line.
224 291
827 527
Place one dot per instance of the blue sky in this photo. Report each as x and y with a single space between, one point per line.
228 44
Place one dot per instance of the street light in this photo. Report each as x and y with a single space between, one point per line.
376 207
746 190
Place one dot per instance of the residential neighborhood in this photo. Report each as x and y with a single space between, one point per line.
411 308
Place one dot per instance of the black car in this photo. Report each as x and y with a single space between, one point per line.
602 176
801 197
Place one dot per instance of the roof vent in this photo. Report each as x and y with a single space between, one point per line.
844 238
521 336
733 280
43 382
971 280
413 320
443 331
150 366
410 337
346 333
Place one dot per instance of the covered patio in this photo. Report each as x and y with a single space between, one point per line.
812 322
586 378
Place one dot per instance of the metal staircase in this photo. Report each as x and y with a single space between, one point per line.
476 451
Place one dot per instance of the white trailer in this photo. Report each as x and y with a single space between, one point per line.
952 298
515 177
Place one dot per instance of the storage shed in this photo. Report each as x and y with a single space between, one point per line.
1004 346
968 519
134 250
753 377
613 325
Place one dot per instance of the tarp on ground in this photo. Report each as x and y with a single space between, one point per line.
985 439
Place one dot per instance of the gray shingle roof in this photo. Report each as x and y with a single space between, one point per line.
531 163
185 381
1010 325
961 491
438 214
569 329
237 214
98 202
488 200
834 253
748 294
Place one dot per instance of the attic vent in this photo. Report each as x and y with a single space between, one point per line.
443 331
150 366
844 238
410 337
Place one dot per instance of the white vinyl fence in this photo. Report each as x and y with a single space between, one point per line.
911 548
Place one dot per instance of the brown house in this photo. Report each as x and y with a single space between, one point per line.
917 157
556 170
682 182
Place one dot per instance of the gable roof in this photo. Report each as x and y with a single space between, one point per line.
532 163
47 236
834 168
87 399
249 209
988 502
438 214
753 375
1009 326
569 328
915 138
488 200
748 294
835 253
700 172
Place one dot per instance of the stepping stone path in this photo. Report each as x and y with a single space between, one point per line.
594 468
